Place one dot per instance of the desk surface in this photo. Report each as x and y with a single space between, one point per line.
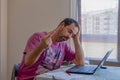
111 73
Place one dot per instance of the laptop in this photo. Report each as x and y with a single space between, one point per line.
89 69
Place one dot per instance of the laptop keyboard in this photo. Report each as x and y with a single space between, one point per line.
83 69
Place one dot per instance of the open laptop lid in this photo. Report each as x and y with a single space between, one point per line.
104 59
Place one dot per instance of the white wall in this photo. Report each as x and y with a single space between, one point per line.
0 41
28 16
3 39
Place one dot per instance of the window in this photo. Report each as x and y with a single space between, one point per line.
99 26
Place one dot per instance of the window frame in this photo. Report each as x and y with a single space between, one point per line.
74 4
118 42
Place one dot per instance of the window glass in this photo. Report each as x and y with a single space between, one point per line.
99 22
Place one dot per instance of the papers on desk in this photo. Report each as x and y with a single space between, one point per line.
59 74
111 73
63 76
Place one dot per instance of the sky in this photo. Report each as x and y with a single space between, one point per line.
92 5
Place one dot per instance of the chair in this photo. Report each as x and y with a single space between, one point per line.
14 71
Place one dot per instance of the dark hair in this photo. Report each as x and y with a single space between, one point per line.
69 21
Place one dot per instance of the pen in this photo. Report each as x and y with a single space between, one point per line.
54 77
68 73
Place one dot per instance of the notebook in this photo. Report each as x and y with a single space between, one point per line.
89 69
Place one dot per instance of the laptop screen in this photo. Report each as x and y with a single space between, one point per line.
104 59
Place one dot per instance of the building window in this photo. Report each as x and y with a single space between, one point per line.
99 27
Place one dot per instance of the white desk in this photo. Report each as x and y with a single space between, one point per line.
111 73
